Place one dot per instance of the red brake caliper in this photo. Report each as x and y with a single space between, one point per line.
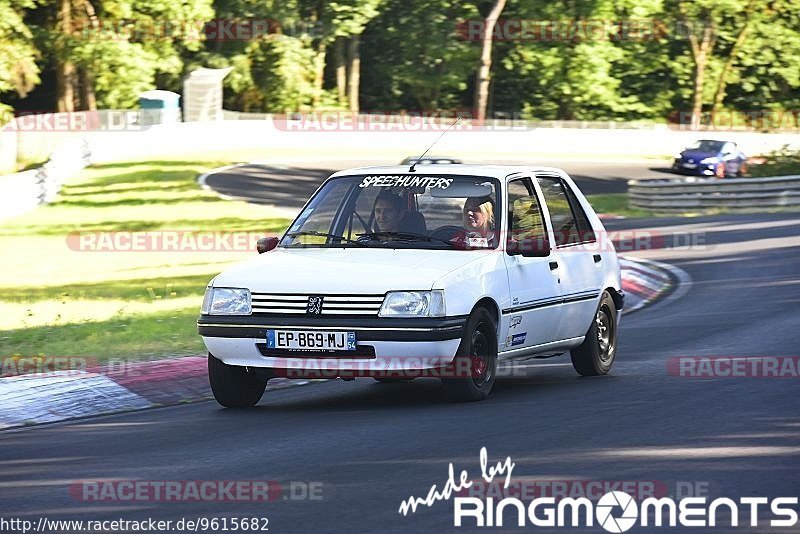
478 366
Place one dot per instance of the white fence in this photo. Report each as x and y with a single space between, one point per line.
118 136
711 194
23 191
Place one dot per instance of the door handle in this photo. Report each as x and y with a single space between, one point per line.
553 265
597 258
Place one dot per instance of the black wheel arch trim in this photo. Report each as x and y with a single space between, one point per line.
618 296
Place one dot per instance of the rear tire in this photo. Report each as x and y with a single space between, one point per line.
234 386
596 354
475 365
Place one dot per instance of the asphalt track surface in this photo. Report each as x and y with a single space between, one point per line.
290 187
372 445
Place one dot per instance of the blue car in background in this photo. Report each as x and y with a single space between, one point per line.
708 157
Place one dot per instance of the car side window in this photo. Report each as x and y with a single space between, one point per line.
565 227
585 232
526 223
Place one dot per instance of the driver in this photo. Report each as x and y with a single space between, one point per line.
389 211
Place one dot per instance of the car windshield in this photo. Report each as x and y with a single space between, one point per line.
706 146
421 211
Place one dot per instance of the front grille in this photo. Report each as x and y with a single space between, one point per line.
362 352
284 303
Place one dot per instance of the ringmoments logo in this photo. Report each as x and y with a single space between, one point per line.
605 508
615 511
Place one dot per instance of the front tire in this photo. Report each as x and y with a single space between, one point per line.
475 365
234 386
742 169
596 354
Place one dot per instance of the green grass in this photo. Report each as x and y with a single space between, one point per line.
59 301
615 204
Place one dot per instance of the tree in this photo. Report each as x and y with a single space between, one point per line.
485 64
106 54
18 70
274 72
416 59
725 26
761 67
347 20
570 70
739 41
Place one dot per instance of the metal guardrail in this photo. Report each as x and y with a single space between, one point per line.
710 194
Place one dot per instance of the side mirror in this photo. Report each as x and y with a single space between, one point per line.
265 244
532 247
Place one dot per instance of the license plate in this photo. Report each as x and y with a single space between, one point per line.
689 165
310 340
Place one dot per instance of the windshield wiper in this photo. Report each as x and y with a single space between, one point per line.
407 237
323 234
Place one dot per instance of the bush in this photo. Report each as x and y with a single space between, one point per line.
782 162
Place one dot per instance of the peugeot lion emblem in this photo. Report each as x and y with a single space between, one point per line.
314 306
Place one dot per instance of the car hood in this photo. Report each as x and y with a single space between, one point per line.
697 155
347 271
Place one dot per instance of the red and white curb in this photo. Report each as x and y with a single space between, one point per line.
48 398
645 282
51 397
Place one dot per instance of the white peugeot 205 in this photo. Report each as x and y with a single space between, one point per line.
395 273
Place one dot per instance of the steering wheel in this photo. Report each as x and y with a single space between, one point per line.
448 233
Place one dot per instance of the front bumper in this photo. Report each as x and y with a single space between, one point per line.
383 344
699 169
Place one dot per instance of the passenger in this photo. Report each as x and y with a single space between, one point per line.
479 220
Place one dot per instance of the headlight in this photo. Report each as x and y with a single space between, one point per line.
708 161
226 301
413 304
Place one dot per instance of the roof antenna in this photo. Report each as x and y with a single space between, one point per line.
414 164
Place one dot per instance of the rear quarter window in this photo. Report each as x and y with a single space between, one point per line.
570 223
